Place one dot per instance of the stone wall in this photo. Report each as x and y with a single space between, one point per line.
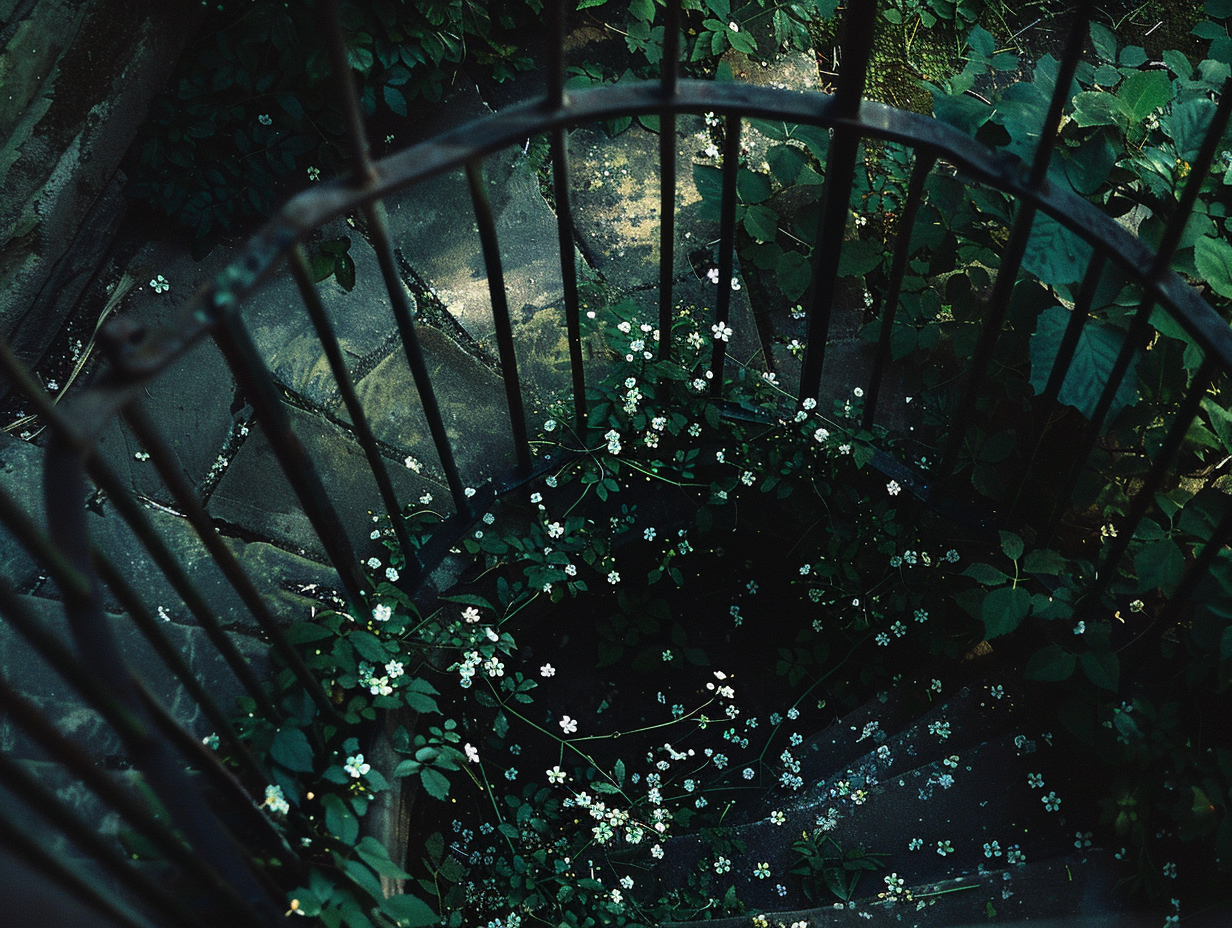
76 80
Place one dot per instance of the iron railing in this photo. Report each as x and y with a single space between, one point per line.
216 882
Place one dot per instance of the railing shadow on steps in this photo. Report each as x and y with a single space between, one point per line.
212 827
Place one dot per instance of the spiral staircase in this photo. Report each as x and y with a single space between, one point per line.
139 609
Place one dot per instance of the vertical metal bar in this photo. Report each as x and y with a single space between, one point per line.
556 54
1145 497
1060 93
1073 330
669 64
667 223
30 852
359 421
48 806
727 240
77 762
568 274
297 465
164 461
500 312
1140 324
859 25
135 519
163 771
146 624
1198 570
997 308
378 231
924 162
1198 173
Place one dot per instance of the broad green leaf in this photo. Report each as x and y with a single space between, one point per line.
368 646
985 574
1104 41
1143 92
362 876
1051 663
962 112
1004 609
395 100
339 819
1186 125
1011 545
761 223
794 272
1044 561
1055 254
1097 108
1132 56
752 187
1089 165
435 782
291 749
409 911
1159 565
373 853
1094 356
1102 668
786 162
1213 258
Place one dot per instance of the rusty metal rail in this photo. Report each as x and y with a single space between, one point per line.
219 869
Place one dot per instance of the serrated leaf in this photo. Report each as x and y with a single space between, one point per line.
1055 254
1143 92
1051 663
1213 258
786 163
290 748
1097 108
435 782
368 646
1004 609
1094 356
373 853
1104 41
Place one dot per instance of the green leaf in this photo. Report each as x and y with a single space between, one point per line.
304 632
1097 108
1011 545
1143 92
1088 167
1004 609
1104 41
1213 258
363 877
435 782
1094 356
1055 254
1044 561
761 223
961 111
373 853
794 272
368 646
786 163
394 100
1159 565
290 748
409 911
339 819
1051 663
752 187
1103 668
985 574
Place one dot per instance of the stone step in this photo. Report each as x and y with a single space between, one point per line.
1071 891
971 787
26 672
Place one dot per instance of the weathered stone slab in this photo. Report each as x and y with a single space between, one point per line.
254 493
24 670
616 200
78 78
362 320
472 401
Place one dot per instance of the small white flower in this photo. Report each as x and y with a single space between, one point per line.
556 775
547 670
472 753
613 578
893 488
734 27
721 331
314 173
382 613
159 284
550 425
374 562
356 767
568 725
264 119
391 575
468 492
713 274
395 669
